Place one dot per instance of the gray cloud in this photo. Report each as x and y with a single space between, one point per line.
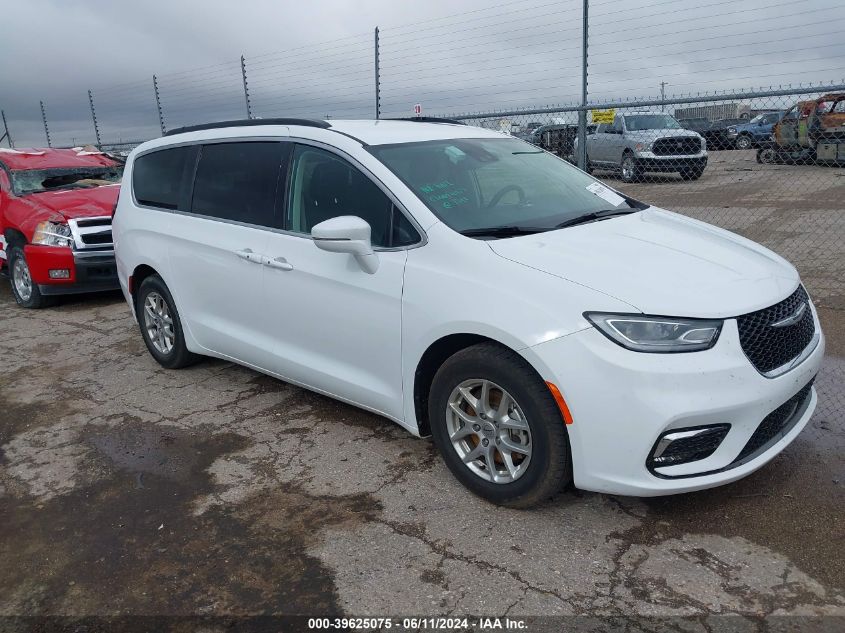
472 56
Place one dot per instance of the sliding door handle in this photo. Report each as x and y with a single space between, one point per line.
280 263
249 256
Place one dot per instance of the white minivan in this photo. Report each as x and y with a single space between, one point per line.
542 327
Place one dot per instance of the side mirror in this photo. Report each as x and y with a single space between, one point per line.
347 234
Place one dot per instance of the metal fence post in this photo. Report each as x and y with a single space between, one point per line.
246 89
94 118
158 107
378 83
6 135
582 113
46 129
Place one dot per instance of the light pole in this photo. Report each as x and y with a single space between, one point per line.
582 113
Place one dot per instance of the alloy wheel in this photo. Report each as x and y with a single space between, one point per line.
628 169
489 431
22 279
158 323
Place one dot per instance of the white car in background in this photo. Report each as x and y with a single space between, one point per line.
540 326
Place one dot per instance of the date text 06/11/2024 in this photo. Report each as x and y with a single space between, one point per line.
417 624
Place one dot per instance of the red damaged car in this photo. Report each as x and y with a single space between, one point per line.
56 209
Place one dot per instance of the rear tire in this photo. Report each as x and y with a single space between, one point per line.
25 290
161 327
516 397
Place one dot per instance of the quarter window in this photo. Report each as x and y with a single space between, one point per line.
238 181
157 177
324 186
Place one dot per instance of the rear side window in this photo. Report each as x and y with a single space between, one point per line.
157 177
238 181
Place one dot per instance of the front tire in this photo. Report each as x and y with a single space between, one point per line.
25 290
630 168
744 142
161 327
768 156
692 174
498 427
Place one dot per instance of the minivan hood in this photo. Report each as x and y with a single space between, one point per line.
661 263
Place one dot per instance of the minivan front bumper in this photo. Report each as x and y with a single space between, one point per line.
623 402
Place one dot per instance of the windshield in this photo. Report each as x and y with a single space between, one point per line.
636 122
758 119
485 183
26 181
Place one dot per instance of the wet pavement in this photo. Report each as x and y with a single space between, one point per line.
126 488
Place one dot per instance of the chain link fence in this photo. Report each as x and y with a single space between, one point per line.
770 167
767 164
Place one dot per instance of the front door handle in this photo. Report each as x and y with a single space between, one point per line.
249 256
279 263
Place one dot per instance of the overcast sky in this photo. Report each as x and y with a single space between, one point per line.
452 56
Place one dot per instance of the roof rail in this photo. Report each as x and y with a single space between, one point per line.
249 122
426 119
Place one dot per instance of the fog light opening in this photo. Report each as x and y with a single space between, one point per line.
682 446
59 273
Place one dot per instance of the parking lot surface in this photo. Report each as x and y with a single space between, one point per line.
126 488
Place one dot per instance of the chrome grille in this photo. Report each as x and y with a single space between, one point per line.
91 233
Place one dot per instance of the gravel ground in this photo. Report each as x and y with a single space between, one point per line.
129 489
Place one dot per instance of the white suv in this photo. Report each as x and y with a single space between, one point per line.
542 327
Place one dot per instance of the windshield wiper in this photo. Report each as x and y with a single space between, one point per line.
593 216
503 231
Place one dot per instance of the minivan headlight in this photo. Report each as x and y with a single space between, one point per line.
52 234
642 333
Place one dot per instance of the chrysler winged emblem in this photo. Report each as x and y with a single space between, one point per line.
793 318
